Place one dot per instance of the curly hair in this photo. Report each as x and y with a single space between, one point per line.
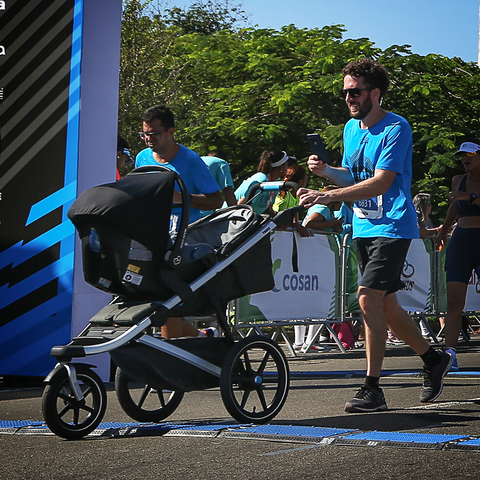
374 74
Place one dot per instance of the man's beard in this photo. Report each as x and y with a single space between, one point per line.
364 110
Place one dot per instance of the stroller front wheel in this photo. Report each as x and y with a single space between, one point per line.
68 417
255 379
144 403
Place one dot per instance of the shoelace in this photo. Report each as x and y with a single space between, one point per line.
363 392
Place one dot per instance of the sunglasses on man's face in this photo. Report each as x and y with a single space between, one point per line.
353 92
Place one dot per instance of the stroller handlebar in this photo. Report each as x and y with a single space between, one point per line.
285 217
174 254
271 186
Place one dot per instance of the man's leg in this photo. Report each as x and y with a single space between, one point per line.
371 304
403 325
176 327
370 397
436 362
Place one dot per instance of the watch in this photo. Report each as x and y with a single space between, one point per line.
473 197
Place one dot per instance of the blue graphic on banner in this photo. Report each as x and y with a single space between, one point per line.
25 341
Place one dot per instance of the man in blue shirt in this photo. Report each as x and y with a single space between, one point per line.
376 174
162 149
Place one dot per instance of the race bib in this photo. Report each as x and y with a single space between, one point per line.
371 208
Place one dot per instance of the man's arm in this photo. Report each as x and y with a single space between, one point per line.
207 201
370 188
229 196
340 176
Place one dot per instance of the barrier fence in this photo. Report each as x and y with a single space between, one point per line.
316 281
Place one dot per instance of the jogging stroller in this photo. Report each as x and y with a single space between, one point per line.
128 251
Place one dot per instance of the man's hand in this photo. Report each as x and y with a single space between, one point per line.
310 197
316 166
337 224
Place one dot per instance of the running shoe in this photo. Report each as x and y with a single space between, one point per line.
210 332
367 400
433 378
454 367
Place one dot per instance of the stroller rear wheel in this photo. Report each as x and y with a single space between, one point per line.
255 380
144 403
68 417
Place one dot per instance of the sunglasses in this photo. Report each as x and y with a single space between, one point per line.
143 135
466 154
353 92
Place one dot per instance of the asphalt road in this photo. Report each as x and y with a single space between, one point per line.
409 440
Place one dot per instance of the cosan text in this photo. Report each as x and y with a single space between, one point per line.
300 282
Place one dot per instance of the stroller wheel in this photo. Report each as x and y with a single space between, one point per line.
255 379
144 403
64 414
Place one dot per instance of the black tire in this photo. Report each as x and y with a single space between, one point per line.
144 403
64 414
255 379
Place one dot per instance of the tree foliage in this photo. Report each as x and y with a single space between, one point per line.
249 89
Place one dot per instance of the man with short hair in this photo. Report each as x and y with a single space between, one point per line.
376 174
162 149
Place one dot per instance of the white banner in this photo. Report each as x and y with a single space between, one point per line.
416 275
472 303
308 293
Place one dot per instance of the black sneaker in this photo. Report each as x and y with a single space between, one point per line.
433 378
367 400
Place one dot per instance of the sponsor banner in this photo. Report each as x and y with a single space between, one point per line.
306 292
58 120
472 303
39 75
416 275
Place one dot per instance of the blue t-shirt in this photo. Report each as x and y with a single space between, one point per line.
263 200
191 168
387 146
220 171
322 210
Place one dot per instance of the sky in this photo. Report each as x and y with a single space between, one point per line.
445 27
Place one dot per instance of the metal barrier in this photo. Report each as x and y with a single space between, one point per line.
309 286
320 287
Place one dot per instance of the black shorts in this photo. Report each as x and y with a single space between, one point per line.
381 261
463 255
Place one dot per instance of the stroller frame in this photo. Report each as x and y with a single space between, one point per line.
252 374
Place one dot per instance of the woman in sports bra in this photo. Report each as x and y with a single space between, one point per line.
463 253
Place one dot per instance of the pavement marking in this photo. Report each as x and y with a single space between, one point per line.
433 406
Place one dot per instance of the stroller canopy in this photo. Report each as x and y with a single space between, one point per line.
138 206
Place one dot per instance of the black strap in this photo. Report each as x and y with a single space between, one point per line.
179 286
294 253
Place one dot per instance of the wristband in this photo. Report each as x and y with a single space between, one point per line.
442 231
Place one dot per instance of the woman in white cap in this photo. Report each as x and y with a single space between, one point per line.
272 166
463 253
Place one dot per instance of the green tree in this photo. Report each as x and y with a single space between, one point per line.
249 89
